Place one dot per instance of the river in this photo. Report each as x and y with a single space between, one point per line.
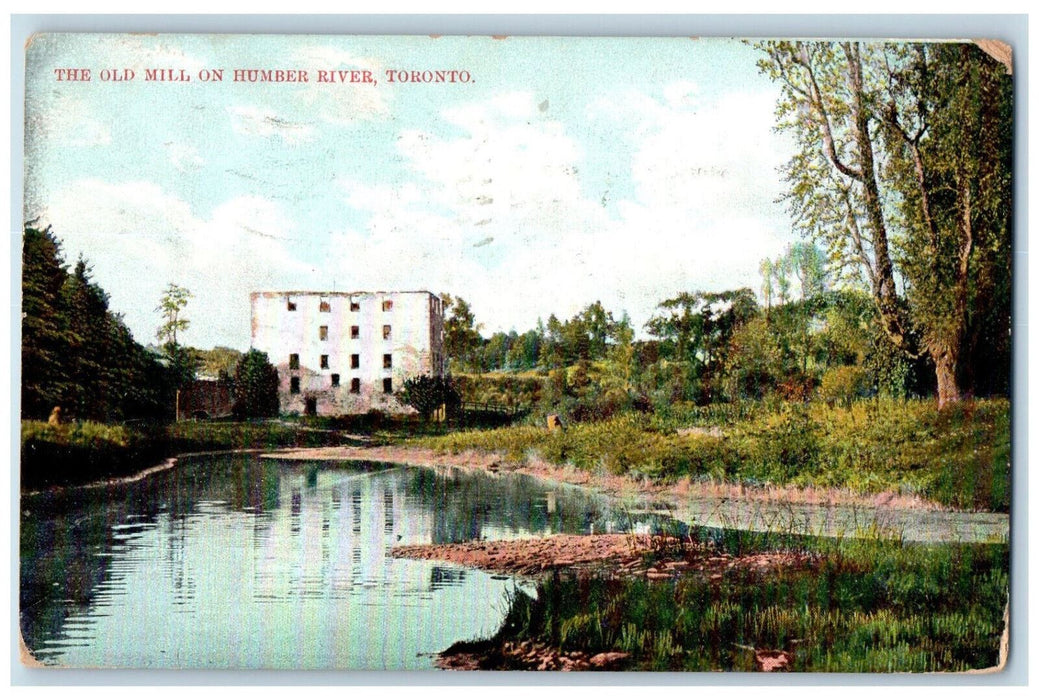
236 562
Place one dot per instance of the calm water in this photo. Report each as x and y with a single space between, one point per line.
238 562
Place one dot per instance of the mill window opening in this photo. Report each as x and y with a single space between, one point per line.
355 306
290 305
387 361
335 380
387 386
387 305
294 385
324 307
322 333
355 361
324 362
294 361
355 386
355 332
386 332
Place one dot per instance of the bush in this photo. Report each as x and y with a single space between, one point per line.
255 386
841 385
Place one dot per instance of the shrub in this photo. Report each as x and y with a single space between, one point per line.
840 385
255 386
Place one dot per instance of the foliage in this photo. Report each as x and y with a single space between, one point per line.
461 332
84 451
903 172
171 306
219 362
695 332
255 386
957 458
843 384
76 353
427 393
865 606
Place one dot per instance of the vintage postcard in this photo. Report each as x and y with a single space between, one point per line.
515 353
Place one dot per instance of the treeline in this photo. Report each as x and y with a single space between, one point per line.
76 353
806 340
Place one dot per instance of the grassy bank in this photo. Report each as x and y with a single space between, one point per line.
867 606
81 452
959 457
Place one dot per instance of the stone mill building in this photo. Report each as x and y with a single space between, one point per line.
347 352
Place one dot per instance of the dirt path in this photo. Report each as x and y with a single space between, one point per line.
827 512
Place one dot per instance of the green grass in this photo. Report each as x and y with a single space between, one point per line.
868 606
959 457
79 452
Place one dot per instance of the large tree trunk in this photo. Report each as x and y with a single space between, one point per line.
945 366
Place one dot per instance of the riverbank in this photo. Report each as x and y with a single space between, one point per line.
804 510
81 453
958 457
622 486
854 606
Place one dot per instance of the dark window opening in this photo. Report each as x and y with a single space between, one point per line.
324 362
355 386
355 361
387 305
387 386
335 380
294 385
355 306
386 332
294 361
355 332
322 332
387 361
290 305
325 307
310 406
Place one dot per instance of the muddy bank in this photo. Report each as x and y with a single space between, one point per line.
816 511
525 656
652 557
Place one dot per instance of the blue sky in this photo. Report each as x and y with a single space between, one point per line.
565 171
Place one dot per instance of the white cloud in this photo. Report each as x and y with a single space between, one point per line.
250 120
62 119
140 53
184 157
138 239
341 103
499 216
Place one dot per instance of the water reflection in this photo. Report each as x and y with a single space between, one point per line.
237 562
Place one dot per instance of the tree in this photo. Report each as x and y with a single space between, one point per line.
426 394
43 342
461 332
76 353
809 266
695 330
219 361
903 172
183 362
171 306
255 386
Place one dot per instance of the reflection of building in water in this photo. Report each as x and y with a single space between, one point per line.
339 531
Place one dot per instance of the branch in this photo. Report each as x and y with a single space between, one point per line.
817 103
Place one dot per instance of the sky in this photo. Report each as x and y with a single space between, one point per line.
562 172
